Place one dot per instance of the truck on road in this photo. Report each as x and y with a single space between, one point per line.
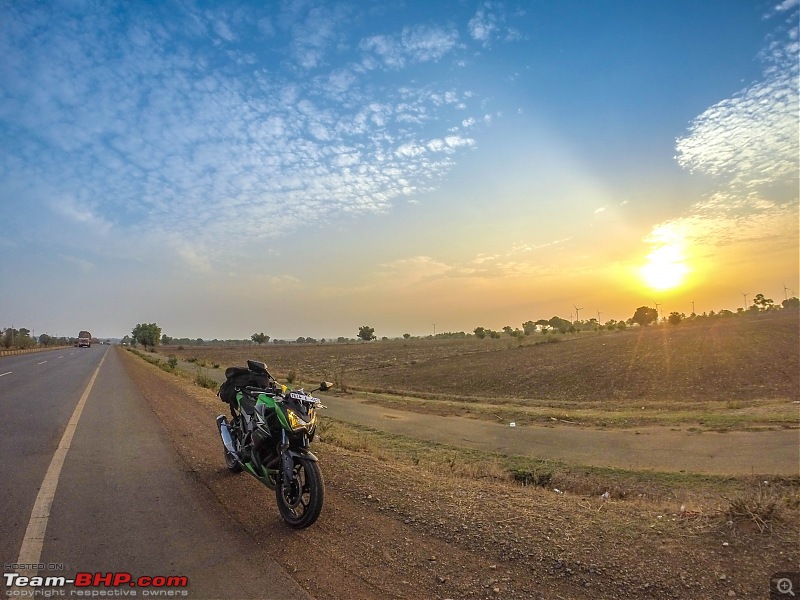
84 339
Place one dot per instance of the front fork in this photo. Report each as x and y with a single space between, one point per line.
288 456
286 461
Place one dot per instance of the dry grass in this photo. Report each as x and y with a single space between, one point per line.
763 507
708 494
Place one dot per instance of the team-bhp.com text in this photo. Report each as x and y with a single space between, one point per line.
95 585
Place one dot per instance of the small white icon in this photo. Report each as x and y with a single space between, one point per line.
784 586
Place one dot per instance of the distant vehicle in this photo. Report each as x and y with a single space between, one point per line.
84 339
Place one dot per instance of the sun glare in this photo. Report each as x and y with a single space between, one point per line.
665 269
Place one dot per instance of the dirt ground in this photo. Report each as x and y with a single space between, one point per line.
737 360
390 530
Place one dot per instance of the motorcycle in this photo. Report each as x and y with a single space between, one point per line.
269 435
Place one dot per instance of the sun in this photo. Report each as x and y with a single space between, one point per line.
665 269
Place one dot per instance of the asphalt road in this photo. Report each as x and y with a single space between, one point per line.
123 501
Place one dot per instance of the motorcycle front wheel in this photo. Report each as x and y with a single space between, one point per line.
233 465
300 504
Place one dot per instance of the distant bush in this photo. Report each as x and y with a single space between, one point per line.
291 376
205 381
172 361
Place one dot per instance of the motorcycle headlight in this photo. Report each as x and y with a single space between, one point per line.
297 423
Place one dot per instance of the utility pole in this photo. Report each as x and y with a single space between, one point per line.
658 312
434 330
693 308
745 294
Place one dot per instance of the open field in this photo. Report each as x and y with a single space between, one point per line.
516 526
411 519
728 373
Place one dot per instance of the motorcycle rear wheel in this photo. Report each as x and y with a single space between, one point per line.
301 504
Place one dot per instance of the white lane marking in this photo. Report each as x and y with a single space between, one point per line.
31 550
41 363
9 373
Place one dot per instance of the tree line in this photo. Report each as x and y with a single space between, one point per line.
23 338
150 335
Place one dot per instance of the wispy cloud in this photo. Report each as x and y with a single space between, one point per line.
421 43
490 23
81 215
517 261
749 145
82 264
170 121
751 138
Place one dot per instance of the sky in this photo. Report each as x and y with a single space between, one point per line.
303 168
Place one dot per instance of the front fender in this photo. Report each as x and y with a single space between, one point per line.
301 453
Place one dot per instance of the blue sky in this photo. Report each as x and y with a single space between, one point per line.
304 168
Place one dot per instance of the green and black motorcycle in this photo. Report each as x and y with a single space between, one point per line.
268 435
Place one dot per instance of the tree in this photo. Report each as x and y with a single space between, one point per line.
508 329
675 317
17 338
529 327
260 338
762 302
559 323
147 334
406 336
366 333
791 303
645 315
480 332
45 340
166 340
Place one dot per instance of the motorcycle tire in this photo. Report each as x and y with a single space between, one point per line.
301 505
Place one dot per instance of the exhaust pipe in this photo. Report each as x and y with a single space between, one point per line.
225 434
